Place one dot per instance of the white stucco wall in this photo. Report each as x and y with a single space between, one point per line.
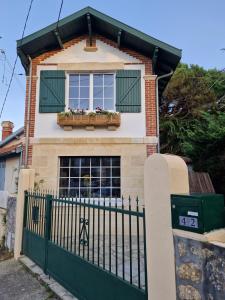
132 124
11 174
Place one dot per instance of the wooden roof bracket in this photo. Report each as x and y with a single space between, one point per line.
56 32
154 59
89 29
119 38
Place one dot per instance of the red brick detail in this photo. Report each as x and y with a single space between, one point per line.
150 107
151 149
149 87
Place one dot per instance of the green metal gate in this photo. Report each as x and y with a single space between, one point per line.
94 248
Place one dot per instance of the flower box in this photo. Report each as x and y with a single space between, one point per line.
112 121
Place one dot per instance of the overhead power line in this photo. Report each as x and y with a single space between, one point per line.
15 62
60 10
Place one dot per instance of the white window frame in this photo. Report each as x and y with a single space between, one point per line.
91 88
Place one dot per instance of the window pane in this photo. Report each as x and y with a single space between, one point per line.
74 172
85 193
106 182
74 182
95 161
75 162
106 161
116 193
63 192
64 161
95 172
84 92
84 79
116 182
98 79
108 79
74 104
106 172
109 104
98 103
73 92
64 172
115 161
74 80
85 161
98 92
95 193
106 192
85 182
108 92
64 182
115 172
85 172
74 192
84 104
95 182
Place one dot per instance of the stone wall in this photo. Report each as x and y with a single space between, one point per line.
7 223
200 270
10 222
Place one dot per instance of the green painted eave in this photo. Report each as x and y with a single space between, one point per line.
76 24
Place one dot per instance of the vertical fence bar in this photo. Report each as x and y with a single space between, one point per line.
89 224
104 235
75 240
64 222
84 224
138 244
116 238
61 221
110 236
123 260
58 220
98 229
130 242
79 226
25 213
145 253
68 224
93 235
48 210
71 229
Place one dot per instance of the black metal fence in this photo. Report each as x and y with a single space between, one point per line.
109 233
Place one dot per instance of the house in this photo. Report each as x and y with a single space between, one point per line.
10 159
91 103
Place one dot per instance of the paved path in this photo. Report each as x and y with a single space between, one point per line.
18 284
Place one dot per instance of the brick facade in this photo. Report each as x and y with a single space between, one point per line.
150 104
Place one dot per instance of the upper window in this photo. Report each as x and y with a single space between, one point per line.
91 91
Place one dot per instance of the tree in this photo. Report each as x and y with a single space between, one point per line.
192 120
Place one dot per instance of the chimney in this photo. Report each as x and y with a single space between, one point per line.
7 129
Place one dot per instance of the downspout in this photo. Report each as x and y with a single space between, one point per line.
27 124
157 105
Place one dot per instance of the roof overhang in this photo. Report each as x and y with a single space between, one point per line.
88 20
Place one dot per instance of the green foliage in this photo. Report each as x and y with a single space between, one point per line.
192 120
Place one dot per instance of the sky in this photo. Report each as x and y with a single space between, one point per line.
196 27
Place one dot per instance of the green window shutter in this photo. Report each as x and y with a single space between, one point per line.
128 91
52 91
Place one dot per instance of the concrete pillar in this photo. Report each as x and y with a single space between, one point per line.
164 175
26 181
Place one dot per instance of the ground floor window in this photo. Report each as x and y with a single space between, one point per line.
94 177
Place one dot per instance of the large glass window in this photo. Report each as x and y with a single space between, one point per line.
94 177
91 91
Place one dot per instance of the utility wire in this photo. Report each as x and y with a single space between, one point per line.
60 10
15 62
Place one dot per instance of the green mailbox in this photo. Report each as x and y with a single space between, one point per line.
198 212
